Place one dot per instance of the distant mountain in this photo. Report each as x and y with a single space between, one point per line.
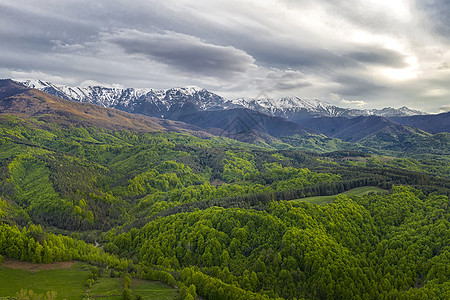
237 121
382 133
431 123
157 103
295 109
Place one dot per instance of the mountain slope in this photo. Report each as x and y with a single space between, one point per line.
16 99
237 120
182 105
381 133
406 139
347 129
431 123
240 124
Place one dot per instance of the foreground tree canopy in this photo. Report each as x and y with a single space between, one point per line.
222 219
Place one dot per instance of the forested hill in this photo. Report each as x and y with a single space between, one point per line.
214 217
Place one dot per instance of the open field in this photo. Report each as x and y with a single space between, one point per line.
68 279
69 283
112 287
356 191
106 286
153 290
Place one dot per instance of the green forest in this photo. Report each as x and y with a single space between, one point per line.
214 218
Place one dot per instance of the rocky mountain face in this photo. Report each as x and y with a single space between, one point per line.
158 103
150 102
295 109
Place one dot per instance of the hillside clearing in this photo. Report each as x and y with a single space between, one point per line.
360 191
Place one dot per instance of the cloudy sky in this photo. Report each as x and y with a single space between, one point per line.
371 53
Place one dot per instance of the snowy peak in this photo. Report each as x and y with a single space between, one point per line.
387 112
103 96
187 90
282 103
36 84
158 103
285 106
130 99
295 107
398 112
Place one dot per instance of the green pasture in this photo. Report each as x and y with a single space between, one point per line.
360 191
70 284
112 289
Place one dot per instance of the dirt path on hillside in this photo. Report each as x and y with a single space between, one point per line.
24 265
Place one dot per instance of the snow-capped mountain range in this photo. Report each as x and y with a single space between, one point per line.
158 103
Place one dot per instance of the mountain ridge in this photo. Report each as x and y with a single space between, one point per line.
16 99
252 126
431 123
239 124
157 103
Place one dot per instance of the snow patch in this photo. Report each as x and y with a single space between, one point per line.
117 97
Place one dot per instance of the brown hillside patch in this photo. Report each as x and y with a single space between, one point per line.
24 265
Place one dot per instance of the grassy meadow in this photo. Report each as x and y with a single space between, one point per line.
69 282
360 191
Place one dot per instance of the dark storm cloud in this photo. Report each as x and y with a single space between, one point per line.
377 56
354 85
356 49
184 52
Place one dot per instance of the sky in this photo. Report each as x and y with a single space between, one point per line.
363 54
